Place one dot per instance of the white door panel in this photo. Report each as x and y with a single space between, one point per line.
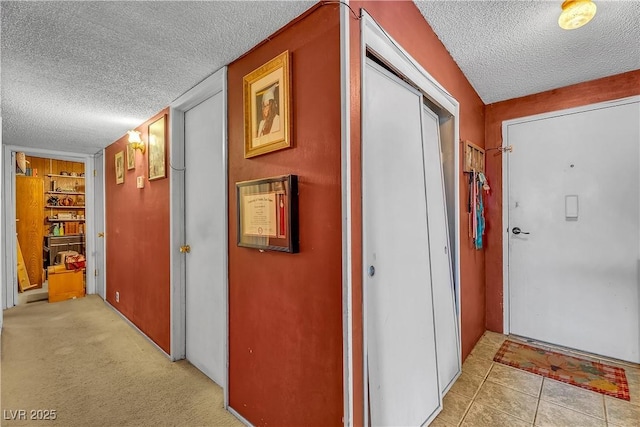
574 281
205 234
401 354
446 318
98 218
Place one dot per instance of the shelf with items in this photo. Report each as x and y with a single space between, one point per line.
70 193
55 175
53 219
64 196
62 200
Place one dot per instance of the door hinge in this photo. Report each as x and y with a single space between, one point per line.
95 172
95 272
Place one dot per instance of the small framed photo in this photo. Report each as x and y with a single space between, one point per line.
120 167
268 214
131 157
157 148
267 103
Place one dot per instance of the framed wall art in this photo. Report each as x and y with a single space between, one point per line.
268 213
267 103
157 148
131 157
120 167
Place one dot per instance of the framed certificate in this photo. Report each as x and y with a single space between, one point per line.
268 213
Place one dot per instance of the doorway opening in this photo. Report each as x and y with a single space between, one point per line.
52 194
50 223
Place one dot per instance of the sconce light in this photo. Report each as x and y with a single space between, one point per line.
576 13
135 141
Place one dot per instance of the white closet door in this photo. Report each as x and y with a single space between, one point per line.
401 353
205 233
446 318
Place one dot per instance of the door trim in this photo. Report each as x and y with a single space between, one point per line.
506 188
209 87
376 40
100 180
347 245
9 291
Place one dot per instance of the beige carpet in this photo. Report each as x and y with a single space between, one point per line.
82 360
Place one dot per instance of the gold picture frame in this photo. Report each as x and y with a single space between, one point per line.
119 162
157 148
131 157
267 107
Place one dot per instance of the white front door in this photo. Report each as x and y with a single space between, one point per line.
574 229
205 202
402 373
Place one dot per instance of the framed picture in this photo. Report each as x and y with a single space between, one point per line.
268 213
131 157
157 144
267 102
120 167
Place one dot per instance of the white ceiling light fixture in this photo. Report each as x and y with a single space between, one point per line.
576 13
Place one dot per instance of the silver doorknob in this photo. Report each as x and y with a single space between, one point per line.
516 230
372 270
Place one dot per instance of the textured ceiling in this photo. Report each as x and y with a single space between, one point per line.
509 49
76 75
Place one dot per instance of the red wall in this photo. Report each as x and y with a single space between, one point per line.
605 89
285 310
137 243
404 22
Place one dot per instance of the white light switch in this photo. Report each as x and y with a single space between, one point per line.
140 181
571 207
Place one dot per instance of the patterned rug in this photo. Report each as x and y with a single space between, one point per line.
593 376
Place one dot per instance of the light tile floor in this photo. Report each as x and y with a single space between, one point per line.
490 394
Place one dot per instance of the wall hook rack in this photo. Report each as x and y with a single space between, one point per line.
473 157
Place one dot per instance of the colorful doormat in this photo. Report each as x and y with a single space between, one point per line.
582 373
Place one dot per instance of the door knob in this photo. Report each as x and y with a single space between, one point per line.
516 230
100 234
372 271
185 249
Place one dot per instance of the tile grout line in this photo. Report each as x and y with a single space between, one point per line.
489 406
604 408
473 399
535 416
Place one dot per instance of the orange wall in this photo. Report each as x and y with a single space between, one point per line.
137 243
605 89
285 310
403 21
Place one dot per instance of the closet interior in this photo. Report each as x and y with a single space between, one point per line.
50 226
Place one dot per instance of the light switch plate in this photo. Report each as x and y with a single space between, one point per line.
140 181
571 207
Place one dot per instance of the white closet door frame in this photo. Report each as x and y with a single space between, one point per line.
375 39
9 290
213 84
